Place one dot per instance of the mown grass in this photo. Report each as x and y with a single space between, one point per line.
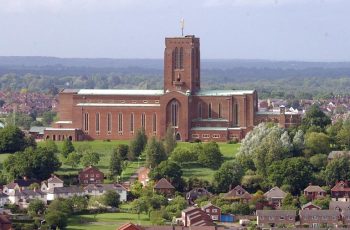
105 221
105 149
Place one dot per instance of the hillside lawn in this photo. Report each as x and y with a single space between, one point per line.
105 149
105 221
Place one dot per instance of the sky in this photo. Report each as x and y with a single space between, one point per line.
302 30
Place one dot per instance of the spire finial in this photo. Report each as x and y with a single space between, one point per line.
182 25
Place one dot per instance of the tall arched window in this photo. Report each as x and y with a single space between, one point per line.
154 128
219 111
181 58
109 122
235 114
209 111
86 122
97 122
200 115
143 121
120 122
174 114
176 58
132 122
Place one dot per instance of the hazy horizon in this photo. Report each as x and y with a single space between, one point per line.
270 30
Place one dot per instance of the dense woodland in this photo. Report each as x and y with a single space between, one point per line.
301 80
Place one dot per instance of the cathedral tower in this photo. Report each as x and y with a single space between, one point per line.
182 64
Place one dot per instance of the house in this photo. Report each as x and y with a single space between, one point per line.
164 187
275 196
5 223
341 191
318 218
19 183
64 192
22 197
339 205
100 189
91 175
272 218
52 182
213 211
130 226
3 199
196 193
194 216
310 206
336 154
142 175
313 192
238 193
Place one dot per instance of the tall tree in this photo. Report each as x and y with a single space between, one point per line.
111 198
115 164
169 170
67 147
337 169
211 156
155 152
122 151
137 145
315 117
229 174
169 141
316 143
12 139
343 136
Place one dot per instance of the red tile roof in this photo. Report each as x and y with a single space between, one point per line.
163 183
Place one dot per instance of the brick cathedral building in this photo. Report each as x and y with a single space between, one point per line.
193 113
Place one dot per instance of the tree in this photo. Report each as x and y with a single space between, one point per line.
136 189
111 198
315 117
67 147
115 164
12 139
36 207
296 172
289 202
184 154
137 145
176 205
169 170
169 141
37 163
343 136
56 219
318 161
337 169
323 202
156 217
298 143
79 203
155 152
48 117
317 143
121 151
229 174
211 156
240 208
90 158
73 159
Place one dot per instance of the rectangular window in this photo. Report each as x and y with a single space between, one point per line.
195 135
235 112
132 122
216 135
86 122
219 112
205 135
120 122
156 101
97 122
209 111
143 121
109 123
200 115
154 128
145 101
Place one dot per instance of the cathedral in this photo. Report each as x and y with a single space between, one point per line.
193 113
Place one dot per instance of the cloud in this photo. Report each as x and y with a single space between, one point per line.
258 3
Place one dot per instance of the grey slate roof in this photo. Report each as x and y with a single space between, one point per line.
66 190
275 192
336 205
311 213
276 212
